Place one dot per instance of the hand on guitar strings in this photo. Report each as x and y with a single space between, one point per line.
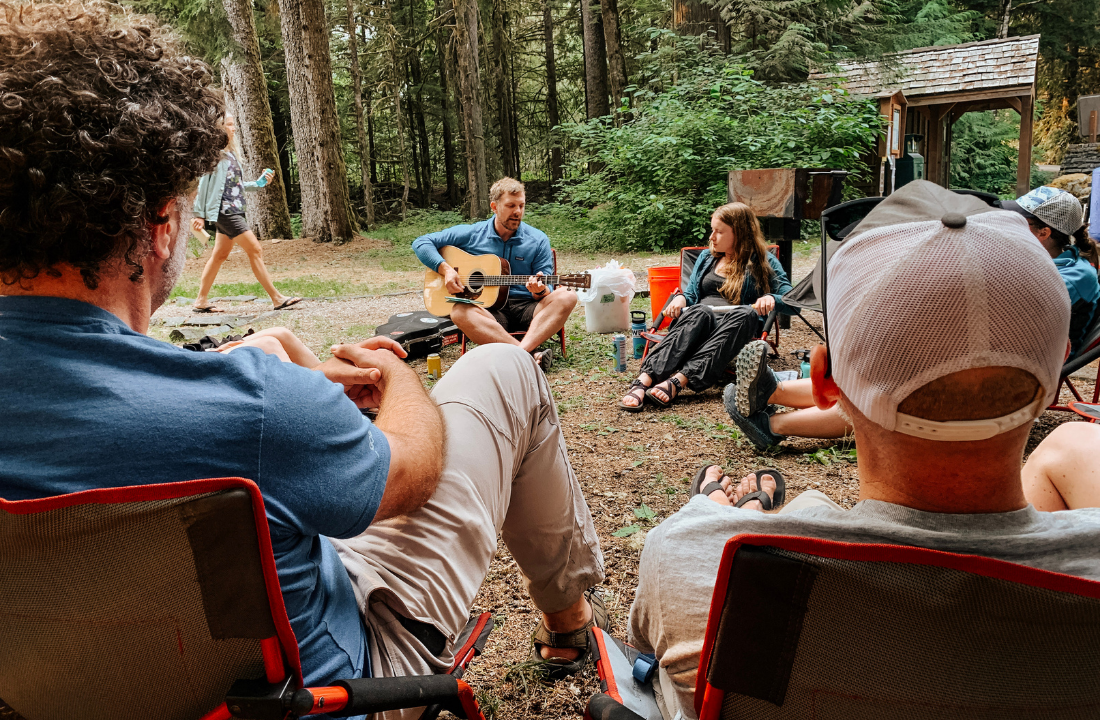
450 278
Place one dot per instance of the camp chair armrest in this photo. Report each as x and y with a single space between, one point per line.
770 320
661 315
375 695
1081 361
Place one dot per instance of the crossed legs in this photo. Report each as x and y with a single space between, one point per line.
481 327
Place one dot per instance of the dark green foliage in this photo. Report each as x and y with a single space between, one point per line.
701 115
984 152
783 40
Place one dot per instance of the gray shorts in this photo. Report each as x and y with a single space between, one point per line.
232 225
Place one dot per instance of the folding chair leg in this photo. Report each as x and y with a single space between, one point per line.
561 336
811 327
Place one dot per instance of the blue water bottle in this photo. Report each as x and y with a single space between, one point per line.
637 327
804 356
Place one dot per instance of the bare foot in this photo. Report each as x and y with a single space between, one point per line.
748 485
636 396
714 474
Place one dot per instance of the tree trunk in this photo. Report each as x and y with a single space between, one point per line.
422 129
552 117
477 189
360 129
692 17
244 79
370 136
595 62
326 208
1004 14
616 62
502 90
443 53
397 113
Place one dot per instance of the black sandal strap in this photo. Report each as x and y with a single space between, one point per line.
711 487
760 495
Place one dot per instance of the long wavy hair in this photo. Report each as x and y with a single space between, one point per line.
749 255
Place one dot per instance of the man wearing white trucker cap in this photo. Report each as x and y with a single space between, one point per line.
941 417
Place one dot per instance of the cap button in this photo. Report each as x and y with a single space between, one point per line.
954 220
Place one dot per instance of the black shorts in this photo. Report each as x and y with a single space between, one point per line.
517 314
232 225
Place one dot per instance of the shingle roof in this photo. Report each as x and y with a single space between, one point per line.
985 65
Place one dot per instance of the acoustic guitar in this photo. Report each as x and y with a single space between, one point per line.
486 280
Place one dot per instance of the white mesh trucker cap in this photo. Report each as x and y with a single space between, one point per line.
931 283
1057 208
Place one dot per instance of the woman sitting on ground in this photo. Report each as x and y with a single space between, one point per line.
700 343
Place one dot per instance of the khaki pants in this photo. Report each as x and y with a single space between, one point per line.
506 471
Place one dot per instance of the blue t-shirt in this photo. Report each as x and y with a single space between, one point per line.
527 252
1084 293
89 403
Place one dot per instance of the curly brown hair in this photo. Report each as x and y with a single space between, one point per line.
102 120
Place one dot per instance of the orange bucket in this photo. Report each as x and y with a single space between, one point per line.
662 281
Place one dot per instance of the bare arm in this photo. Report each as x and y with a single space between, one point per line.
412 424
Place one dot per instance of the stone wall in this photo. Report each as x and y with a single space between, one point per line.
1081 158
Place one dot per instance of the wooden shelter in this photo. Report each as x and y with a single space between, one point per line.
924 91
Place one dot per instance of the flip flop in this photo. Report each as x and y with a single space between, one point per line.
578 639
206 309
287 303
697 487
776 499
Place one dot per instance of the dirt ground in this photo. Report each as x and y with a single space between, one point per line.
634 468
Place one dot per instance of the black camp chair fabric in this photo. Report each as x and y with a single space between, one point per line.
899 639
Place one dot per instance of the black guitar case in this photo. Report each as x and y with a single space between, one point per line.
420 332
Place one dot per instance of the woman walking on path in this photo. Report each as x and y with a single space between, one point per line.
221 201
700 343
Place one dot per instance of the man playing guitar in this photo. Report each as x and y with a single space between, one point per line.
533 307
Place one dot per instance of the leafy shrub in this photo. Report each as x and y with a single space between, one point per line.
655 180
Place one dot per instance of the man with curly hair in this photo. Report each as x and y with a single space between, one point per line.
105 129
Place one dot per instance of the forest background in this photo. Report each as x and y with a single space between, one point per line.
627 113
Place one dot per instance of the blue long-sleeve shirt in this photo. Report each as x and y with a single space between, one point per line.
1084 293
527 252
780 285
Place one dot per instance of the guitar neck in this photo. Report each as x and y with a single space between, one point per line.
501 280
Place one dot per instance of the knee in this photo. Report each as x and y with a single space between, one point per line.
1069 439
564 299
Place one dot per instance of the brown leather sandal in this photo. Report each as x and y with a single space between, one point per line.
633 392
557 669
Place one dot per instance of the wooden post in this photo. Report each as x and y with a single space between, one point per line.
1092 126
933 144
1023 165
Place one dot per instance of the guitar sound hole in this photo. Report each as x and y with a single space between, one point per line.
475 282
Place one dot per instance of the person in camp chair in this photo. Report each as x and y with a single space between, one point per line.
535 308
941 419
1056 220
382 532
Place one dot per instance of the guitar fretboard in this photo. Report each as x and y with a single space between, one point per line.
498 280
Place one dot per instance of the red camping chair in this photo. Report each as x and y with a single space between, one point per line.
1090 351
805 628
162 601
560 334
688 257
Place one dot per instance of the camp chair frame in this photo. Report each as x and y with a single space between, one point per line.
228 504
688 257
519 334
756 658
